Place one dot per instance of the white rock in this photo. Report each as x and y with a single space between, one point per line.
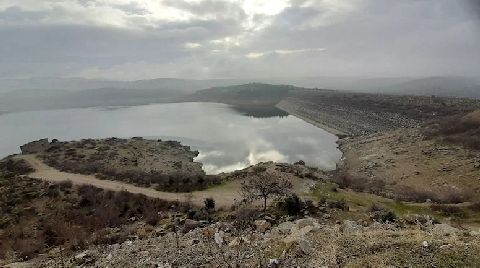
425 244
219 238
274 263
351 226
235 242
81 256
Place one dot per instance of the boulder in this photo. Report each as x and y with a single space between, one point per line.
35 147
190 225
219 238
285 227
443 229
235 242
351 227
304 246
81 256
262 225
274 263
301 223
84 258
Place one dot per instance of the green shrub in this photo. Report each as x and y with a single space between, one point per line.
292 205
209 204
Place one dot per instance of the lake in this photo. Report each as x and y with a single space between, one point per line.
227 139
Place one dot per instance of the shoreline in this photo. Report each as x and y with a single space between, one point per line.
340 134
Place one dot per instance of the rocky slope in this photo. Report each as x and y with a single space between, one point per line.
300 243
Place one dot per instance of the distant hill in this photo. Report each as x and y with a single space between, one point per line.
56 93
246 94
439 86
447 86
72 84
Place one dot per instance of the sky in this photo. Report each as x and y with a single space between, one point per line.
143 39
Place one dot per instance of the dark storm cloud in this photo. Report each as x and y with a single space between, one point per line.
232 39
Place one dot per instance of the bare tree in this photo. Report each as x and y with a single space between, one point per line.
264 186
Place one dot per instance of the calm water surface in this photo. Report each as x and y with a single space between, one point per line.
226 139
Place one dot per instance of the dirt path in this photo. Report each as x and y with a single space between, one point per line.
224 195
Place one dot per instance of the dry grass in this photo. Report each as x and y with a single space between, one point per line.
392 248
459 129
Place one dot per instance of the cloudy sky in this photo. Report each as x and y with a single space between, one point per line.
137 39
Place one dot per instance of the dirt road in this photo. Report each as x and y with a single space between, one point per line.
224 195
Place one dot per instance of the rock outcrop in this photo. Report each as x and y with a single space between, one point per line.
35 147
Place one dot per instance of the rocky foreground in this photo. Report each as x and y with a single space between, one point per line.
300 243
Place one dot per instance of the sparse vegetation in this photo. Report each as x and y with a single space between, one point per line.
461 129
446 195
36 215
449 210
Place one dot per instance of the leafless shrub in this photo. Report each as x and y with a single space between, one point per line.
449 210
15 166
475 207
264 186
409 194
244 217
456 129
338 204
360 184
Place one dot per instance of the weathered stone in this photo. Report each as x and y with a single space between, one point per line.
219 238
81 256
443 229
285 227
235 242
262 225
351 226
304 246
35 147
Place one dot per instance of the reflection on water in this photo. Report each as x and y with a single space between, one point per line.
226 139
258 111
